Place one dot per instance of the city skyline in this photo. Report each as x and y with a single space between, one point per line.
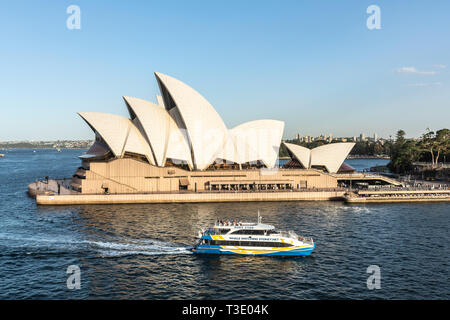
330 137
373 137
320 69
297 136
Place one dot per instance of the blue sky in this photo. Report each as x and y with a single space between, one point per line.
313 64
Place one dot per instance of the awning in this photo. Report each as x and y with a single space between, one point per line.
346 168
257 181
184 182
97 150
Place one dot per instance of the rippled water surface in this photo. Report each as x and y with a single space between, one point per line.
142 251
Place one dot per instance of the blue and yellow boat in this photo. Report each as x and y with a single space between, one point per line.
252 239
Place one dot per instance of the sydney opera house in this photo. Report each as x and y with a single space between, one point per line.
182 143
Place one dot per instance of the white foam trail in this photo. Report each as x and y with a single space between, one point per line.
38 240
145 253
122 249
130 247
360 209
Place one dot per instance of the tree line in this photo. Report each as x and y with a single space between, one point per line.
432 147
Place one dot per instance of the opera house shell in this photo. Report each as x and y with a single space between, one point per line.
183 126
165 146
330 156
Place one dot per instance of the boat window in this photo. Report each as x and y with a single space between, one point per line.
247 231
214 231
270 244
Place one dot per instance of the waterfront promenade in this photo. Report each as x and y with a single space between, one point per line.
58 192
400 195
186 197
50 194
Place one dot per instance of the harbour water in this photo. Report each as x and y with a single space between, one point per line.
142 251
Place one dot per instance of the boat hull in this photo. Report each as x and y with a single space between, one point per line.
296 251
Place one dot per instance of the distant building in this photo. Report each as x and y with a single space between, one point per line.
362 137
330 138
307 139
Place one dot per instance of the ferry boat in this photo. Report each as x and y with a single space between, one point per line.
252 239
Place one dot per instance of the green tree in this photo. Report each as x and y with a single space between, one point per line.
400 137
404 153
442 144
436 144
428 143
377 149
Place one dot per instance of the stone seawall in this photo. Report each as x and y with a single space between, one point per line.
188 197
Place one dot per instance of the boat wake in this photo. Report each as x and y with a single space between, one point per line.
139 247
358 209
114 248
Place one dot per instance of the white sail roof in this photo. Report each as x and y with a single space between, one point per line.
229 150
258 140
205 129
160 130
331 156
302 154
119 133
153 124
177 147
160 101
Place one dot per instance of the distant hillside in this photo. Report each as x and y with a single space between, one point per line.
66 144
28 145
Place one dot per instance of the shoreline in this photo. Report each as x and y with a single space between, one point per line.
43 148
368 157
